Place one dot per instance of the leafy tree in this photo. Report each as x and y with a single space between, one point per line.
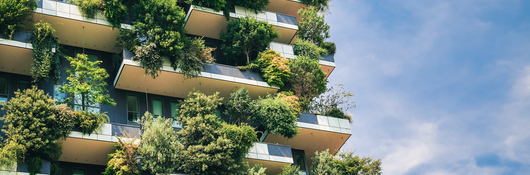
149 59
216 5
190 60
254 5
257 170
160 148
335 97
115 12
308 49
247 35
322 5
292 100
347 163
307 79
274 67
13 15
124 159
240 107
312 26
89 8
329 46
277 116
290 169
322 163
34 124
211 146
45 62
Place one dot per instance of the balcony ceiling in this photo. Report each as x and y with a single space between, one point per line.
71 32
327 69
173 84
86 151
286 7
16 60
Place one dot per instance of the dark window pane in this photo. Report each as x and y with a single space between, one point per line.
23 84
79 171
3 86
132 103
132 116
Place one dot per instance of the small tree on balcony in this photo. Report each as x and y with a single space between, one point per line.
240 107
124 159
307 79
312 26
333 102
13 15
216 5
322 5
244 36
278 116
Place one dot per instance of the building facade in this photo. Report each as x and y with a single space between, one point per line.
136 93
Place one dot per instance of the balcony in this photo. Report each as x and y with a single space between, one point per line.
75 30
288 7
214 78
272 156
327 62
202 21
94 148
317 133
17 54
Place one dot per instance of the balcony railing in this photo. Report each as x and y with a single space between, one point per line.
325 123
109 132
271 152
20 39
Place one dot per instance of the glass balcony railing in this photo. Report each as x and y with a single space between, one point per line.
327 123
271 152
287 51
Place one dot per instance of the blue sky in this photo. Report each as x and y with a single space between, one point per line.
442 87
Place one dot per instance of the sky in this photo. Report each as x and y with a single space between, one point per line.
441 86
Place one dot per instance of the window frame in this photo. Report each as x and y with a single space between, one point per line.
175 124
153 107
80 168
7 87
23 79
137 108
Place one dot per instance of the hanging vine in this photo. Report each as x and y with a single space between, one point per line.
46 53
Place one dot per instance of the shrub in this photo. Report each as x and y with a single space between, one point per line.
347 163
45 62
149 59
278 117
308 49
335 97
307 79
14 14
322 163
321 5
240 107
335 112
312 26
290 169
216 5
329 47
115 12
246 35
292 100
254 5
257 170
88 122
89 8
124 159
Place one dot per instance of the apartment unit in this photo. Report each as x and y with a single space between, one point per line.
136 93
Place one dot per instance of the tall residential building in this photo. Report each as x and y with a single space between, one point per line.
136 93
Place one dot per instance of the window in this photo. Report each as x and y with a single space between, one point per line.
174 112
24 84
4 82
59 96
218 113
157 107
299 159
132 109
79 171
90 107
59 171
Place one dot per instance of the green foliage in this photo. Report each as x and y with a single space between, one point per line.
277 116
274 67
252 66
246 35
216 5
334 98
322 5
350 164
124 159
34 165
89 122
86 83
192 58
115 12
335 112
254 5
329 46
240 107
292 100
149 59
13 15
45 62
160 147
290 169
308 49
307 79
34 124
312 26
89 8
211 146
257 170
322 163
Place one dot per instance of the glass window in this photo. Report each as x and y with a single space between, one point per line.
78 105
24 84
174 112
78 171
59 96
4 82
157 107
132 108
299 159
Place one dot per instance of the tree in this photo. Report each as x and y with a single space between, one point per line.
89 8
274 67
86 85
160 147
149 59
210 145
307 79
216 5
347 163
308 49
321 5
322 163
115 12
257 170
34 124
312 26
290 169
240 107
14 14
277 116
45 61
124 159
247 35
254 5
335 97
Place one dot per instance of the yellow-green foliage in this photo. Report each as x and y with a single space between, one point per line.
124 160
272 65
89 8
45 62
292 100
277 116
13 15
